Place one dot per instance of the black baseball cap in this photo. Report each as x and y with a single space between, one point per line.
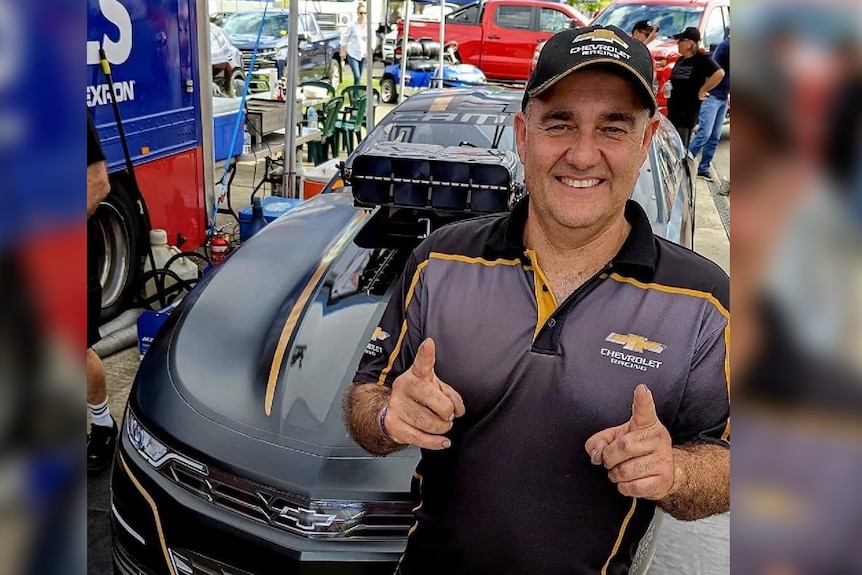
604 46
642 26
689 33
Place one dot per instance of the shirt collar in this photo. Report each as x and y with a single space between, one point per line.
638 250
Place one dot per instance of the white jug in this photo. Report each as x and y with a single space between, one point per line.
162 252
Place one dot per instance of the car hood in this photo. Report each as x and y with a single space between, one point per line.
247 41
663 48
263 351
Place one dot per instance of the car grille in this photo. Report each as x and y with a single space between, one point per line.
291 512
185 563
327 21
260 61
123 562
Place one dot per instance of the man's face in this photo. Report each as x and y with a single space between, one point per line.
686 47
640 35
582 145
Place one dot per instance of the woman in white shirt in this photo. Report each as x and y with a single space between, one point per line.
354 44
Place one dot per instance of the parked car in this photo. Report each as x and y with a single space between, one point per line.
387 47
422 70
226 60
233 456
319 50
499 36
711 17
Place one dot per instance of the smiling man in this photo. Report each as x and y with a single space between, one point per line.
563 370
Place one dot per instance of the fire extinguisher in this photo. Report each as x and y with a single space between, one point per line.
219 249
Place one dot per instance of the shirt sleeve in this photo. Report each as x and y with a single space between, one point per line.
708 67
722 56
394 342
704 412
94 148
345 36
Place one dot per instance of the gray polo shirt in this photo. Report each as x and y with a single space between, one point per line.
516 492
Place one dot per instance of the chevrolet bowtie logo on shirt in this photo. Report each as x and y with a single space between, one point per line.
600 36
636 343
379 335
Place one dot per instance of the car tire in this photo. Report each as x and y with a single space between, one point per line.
235 84
388 91
333 73
119 252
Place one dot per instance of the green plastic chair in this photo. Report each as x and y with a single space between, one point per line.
352 93
351 123
330 90
318 152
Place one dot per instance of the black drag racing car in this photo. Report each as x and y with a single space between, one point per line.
233 456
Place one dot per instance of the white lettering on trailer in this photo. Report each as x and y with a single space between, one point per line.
101 94
117 51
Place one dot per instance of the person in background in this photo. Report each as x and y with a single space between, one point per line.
354 44
644 31
563 370
103 429
712 112
693 76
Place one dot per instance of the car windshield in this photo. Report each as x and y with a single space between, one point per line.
671 18
477 129
249 22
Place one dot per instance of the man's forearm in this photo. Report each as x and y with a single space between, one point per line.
701 484
713 80
362 405
98 186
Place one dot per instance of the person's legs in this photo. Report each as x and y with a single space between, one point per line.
705 120
712 141
279 65
684 134
103 431
355 69
362 67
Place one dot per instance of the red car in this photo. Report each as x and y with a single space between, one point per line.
499 36
711 17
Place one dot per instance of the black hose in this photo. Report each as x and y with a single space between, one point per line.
130 168
171 293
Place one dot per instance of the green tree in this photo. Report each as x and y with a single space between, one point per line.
589 7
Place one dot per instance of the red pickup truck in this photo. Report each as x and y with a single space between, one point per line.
499 36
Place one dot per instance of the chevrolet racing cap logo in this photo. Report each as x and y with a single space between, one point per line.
636 343
601 35
605 46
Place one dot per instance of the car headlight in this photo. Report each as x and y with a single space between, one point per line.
151 449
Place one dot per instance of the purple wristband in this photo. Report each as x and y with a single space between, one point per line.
381 423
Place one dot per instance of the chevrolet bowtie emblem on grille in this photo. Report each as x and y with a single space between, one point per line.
379 335
600 36
636 343
306 519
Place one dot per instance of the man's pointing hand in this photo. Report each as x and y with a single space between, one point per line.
638 453
422 407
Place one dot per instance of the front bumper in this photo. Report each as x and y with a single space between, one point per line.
159 528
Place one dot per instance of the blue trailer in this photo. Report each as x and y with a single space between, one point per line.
158 52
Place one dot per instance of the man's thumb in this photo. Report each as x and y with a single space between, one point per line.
643 409
423 365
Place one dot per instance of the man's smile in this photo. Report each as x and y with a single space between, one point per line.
580 183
